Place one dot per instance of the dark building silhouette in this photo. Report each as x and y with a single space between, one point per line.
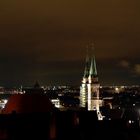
28 103
36 89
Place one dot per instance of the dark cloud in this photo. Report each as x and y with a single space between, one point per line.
137 69
124 64
44 39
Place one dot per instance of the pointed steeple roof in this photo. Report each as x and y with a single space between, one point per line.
86 72
36 85
93 68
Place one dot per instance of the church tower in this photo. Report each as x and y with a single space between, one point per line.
93 86
83 88
89 90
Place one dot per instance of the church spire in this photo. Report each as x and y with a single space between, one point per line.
93 68
89 90
86 72
93 76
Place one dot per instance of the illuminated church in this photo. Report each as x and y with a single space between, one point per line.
89 90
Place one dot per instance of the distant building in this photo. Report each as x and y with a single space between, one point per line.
89 90
36 89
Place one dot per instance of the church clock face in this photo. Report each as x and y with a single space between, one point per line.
94 90
93 94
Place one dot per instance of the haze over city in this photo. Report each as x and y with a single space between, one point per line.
46 41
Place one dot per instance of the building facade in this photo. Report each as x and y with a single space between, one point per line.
89 90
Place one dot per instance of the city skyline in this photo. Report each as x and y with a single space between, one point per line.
46 41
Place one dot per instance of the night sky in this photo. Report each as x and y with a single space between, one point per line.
45 41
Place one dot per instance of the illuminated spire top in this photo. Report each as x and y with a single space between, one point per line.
93 68
86 72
